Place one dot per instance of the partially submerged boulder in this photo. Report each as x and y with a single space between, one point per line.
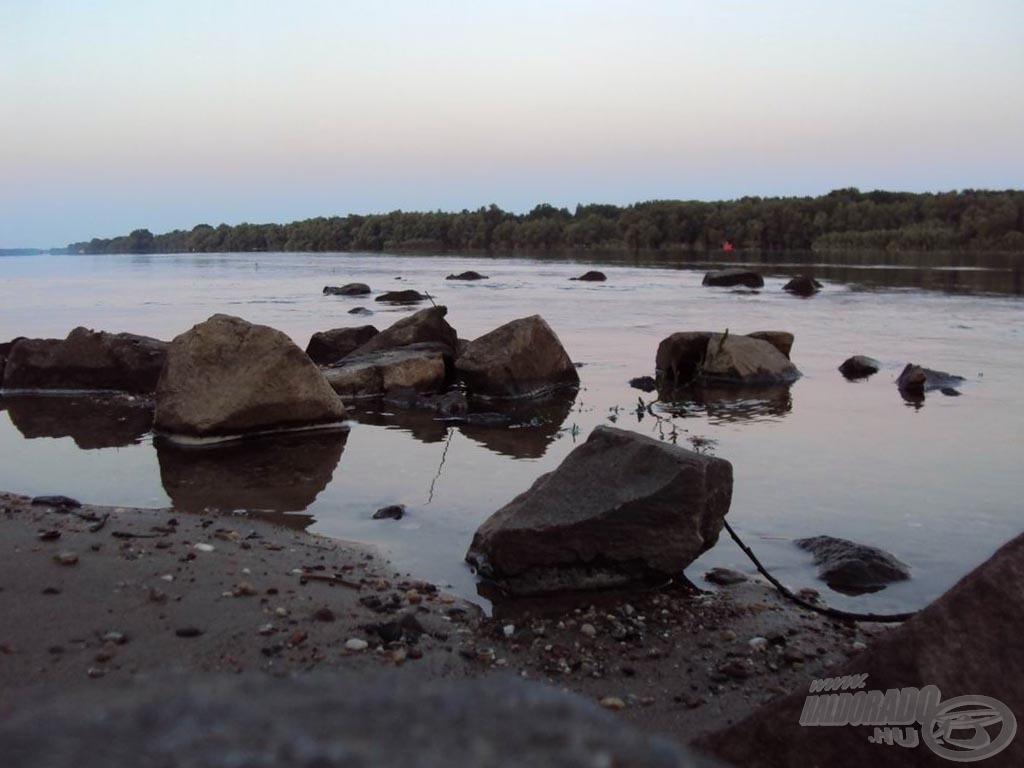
420 368
86 359
350 289
593 276
620 507
427 326
853 568
859 367
227 377
522 358
802 285
966 643
915 380
644 383
402 297
702 357
730 277
781 340
470 275
327 347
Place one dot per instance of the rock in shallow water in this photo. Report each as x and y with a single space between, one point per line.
227 377
853 568
621 507
427 326
593 276
402 297
416 368
730 277
327 347
802 285
351 289
702 357
859 367
470 275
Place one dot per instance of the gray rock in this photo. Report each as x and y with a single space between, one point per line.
402 297
327 347
915 380
593 276
523 358
86 359
351 289
802 285
620 507
228 377
421 368
859 367
853 568
730 277
781 340
423 327
341 720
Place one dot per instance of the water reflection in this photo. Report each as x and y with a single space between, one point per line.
267 475
92 422
724 404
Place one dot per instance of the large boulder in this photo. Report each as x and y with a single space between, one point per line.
350 289
781 340
522 358
418 367
427 326
966 643
802 285
620 507
702 357
227 377
327 347
86 359
732 277
859 367
853 568
402 297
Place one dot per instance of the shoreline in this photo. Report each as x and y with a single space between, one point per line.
104 596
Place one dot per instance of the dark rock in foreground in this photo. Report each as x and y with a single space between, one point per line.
620 507
327 347
418 367
915 380
88 360
522 358
966 643
859 367
701 357
351 289
593 276
227 377
728 278
802 285
402 297
427 326
342 720
470 275
853 568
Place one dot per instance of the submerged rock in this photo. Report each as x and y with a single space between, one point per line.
470 275
964 644
724 577
781 340
227 376
701 357
402 297
86 359
327 347
802 285
620 507
730 277
351 289
360 311
451 405
914 380
421 368
593 276
426 326
859 367
390 512
522 358
853 568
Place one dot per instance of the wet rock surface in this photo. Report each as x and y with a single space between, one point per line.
327 347
86 359
853 568
402 297
350 289
417 368
469 275
227 376
915 380
704 358
731 277
859 367
781 340
802 285
522 358
621 507
593 276
428 326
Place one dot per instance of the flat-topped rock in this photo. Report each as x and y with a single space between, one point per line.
730 277
227 377
402 297
469 275
417 368
350 289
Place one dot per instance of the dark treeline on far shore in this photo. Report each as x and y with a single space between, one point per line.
845 219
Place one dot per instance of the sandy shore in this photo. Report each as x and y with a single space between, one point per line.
95 596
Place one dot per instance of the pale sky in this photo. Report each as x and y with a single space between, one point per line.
116 115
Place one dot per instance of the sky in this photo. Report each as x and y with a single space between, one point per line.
121 114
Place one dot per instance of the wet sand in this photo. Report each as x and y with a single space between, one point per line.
145 595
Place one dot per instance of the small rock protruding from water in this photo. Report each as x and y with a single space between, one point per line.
350 289
859 367
644 383
802 285
728 278
593 276
402 297
724 577
469 275
390 512
915 380
853 568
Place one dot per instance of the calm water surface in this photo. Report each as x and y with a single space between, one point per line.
939 484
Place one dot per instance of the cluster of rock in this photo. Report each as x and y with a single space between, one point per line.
801 285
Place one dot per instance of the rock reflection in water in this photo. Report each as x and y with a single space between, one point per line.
729 404
91 421
422 425
533 425
267 476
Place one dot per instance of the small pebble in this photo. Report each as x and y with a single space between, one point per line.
355 644
613 703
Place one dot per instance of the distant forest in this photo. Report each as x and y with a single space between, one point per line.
846 219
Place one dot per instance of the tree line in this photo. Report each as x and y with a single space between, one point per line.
845 219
